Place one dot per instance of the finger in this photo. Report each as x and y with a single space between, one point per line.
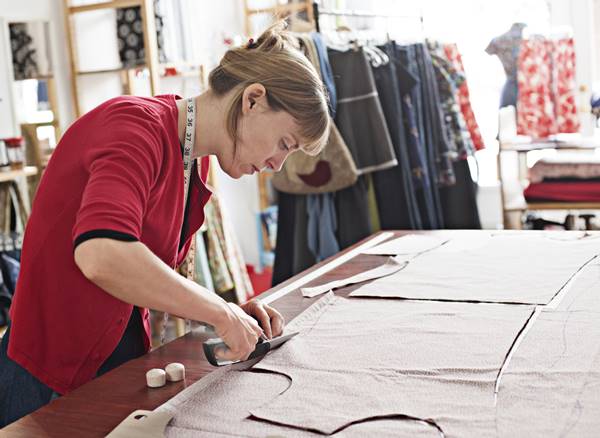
222 353
264 319
277 321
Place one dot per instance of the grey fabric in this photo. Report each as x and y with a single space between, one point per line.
359 360
219 405
507 268
555 371
356 359
409 244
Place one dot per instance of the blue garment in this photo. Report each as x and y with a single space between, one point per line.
326 72
418 138
21 393
396 198
322 225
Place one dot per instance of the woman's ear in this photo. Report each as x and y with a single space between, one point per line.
254 96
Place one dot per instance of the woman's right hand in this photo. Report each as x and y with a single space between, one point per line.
239 331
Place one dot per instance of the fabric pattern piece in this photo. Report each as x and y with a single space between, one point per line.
219 404
555 371
347 364
409 244
500 274
391 266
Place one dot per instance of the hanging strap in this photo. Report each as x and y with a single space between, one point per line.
188 146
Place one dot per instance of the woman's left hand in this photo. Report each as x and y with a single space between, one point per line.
269 319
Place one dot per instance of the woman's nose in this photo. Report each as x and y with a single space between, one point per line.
278 160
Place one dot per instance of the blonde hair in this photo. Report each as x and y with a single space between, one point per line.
292 84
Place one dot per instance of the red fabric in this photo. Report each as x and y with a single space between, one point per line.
546 77
565 108
119 168
563 191
464 98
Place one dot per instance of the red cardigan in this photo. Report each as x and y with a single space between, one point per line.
117 171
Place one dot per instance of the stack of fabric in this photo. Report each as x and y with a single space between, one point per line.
565 178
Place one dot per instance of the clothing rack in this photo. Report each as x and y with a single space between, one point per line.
317 12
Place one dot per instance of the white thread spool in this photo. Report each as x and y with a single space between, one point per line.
155 378
175 372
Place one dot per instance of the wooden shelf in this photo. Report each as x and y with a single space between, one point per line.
108 70
11 175
583 144
279 9
105 5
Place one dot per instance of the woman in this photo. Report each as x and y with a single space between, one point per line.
109 222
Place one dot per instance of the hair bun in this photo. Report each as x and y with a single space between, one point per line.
275 37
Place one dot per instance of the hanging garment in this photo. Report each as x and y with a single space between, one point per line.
449 81
372 205
415 135
227 265
24 56
292 254
507 47
321 226
440 147
535 107
464 98
352 208
359 116
333 168
434 136
565 108
130 34
396 199
459 202
202 274
325 70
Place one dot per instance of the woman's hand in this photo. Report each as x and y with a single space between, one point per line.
269 319
239 331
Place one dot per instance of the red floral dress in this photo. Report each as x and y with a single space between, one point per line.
464 98
546 77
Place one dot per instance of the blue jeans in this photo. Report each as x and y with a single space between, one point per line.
21 393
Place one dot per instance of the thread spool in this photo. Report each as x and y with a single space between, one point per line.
155 378
175 372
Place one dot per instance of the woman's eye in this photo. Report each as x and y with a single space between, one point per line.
284 146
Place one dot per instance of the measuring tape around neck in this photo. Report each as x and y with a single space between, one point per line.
188 146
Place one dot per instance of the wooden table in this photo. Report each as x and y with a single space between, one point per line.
97 407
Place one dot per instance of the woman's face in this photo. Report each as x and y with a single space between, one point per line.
265 137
